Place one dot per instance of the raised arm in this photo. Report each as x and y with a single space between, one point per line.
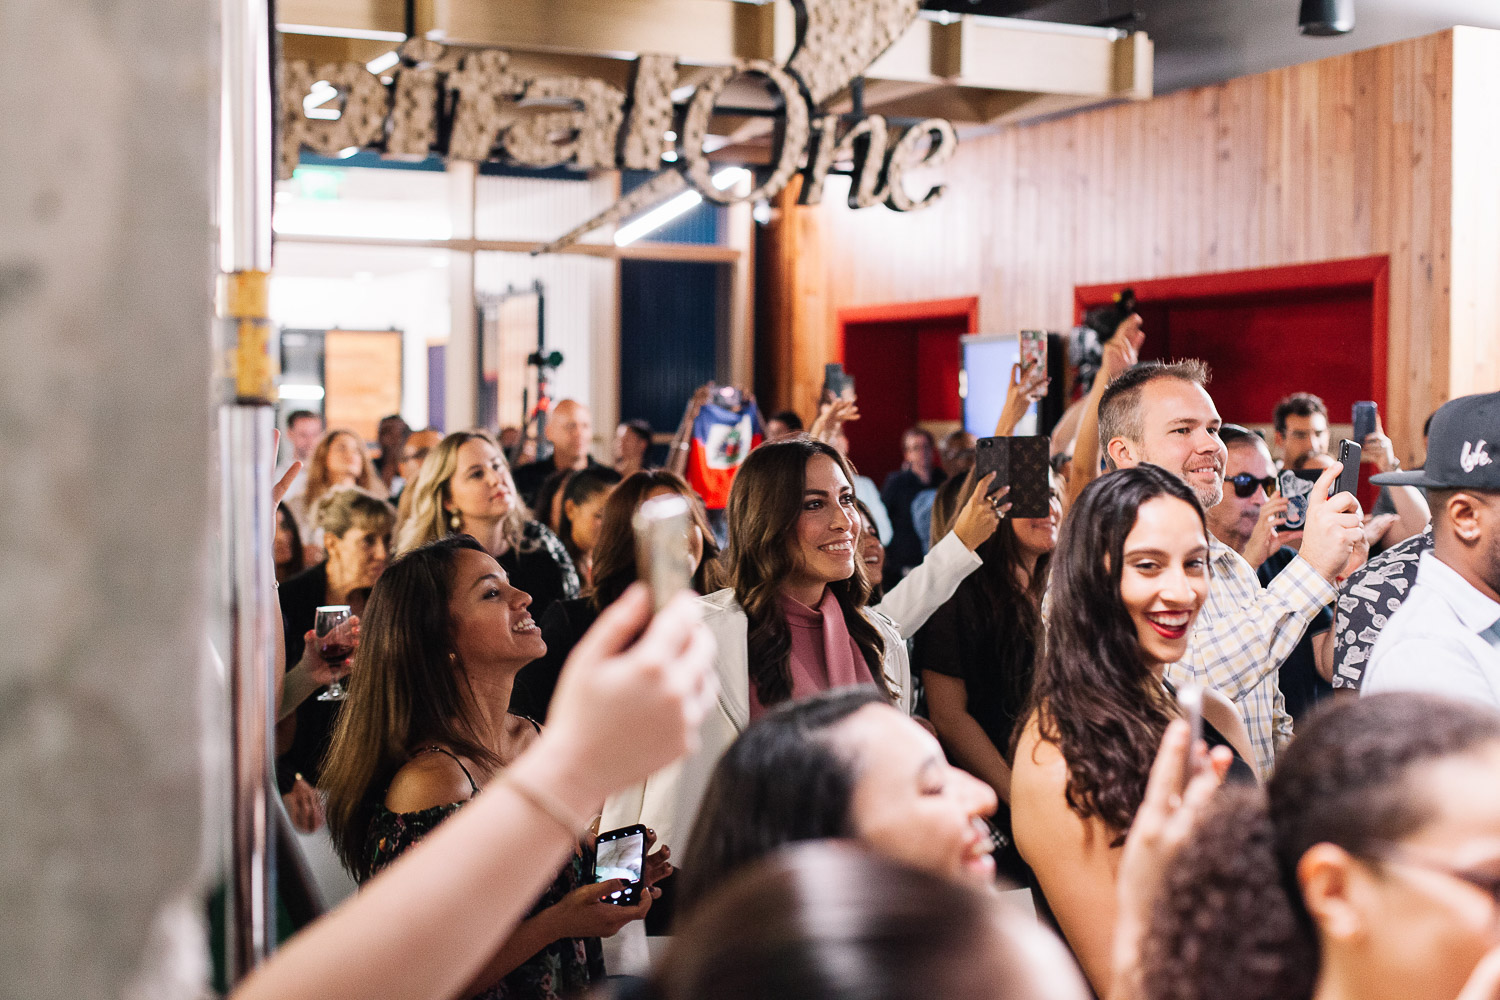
1122 351
678 451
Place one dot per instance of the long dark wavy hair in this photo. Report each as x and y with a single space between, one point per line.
782 780
1230 922
407 688
1093 695
764 505
614 554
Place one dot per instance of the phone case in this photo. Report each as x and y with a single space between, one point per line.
1297 488
1363 419
1022 464
1350 453
1033 349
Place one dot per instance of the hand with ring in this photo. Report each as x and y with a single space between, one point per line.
979 518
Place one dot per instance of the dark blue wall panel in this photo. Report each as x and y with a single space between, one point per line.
669 325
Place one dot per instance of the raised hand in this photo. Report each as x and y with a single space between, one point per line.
981 516
1334 526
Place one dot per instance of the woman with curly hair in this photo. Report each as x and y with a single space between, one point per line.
465 487
1128 578
1369 867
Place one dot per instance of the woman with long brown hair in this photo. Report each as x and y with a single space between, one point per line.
427 725
792 621
1128 579
340 459
465 487
565 622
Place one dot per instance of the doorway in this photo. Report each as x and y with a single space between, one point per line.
905 359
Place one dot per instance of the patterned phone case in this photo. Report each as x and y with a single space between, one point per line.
1022 464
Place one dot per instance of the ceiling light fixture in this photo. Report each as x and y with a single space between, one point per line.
1326 17
678 206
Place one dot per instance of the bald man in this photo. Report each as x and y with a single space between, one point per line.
570 430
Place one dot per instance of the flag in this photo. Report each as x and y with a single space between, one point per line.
722 439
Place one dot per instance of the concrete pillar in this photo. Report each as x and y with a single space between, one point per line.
106 264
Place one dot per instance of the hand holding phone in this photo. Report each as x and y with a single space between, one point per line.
621 854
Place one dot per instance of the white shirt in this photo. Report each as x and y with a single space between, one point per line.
1444 640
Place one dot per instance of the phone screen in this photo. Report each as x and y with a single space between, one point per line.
1033 349
621 854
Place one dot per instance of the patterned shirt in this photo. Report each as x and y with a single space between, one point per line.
1366 602
1243 635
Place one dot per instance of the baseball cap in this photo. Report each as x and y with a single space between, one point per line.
1463 448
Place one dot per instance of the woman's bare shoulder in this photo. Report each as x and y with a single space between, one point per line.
426 781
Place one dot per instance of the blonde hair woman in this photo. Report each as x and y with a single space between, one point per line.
340 459
465 487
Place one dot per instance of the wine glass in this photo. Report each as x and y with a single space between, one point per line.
335 633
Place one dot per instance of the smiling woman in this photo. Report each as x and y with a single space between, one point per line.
793 622
1128 579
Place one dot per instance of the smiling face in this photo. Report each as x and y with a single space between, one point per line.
1164 577
1038 535
909 803
827 528
1431 910
481 488
871 551
346 460
492 630
1180 433
1233 519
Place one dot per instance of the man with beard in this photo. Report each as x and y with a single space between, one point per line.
1445 639
1161 414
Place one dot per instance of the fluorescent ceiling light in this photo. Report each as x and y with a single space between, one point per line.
676 207
326 32
300 392
380 64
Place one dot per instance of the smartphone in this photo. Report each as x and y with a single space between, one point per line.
837 382
1297 486
664 558
1349 454
1023 464
1364 418
621 854
1190 700
1033 350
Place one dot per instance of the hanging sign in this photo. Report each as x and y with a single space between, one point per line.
476 109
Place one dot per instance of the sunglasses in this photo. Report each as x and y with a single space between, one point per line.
1245 484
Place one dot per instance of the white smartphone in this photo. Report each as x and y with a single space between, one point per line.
664 558
1190 699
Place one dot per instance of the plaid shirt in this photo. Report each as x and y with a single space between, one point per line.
1244 633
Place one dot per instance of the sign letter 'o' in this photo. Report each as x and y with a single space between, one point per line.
789 144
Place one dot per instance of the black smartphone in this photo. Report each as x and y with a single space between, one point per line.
621 854
1350 453
1364 417
1297 486
1022 463
837 383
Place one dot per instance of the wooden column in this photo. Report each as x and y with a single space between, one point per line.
797 334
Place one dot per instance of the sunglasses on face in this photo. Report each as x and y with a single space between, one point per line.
1245 484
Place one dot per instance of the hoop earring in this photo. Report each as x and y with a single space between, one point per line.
455 520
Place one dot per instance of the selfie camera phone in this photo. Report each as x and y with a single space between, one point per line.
664 558
1023 464
1033 350
1349 454
1190 700
1365 415
621 854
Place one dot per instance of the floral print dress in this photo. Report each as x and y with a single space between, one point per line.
564 969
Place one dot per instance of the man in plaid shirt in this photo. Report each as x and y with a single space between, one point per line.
1161 414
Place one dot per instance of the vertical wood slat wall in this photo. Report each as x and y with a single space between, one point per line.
1346 157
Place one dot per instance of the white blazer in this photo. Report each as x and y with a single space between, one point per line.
929 585
668 801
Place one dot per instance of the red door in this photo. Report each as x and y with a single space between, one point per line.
905 361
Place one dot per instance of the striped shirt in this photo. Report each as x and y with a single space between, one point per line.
1243 635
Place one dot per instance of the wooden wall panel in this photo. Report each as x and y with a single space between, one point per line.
1351 156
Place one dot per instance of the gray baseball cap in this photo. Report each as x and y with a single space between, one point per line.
1463 448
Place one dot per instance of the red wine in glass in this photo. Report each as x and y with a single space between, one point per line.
335 632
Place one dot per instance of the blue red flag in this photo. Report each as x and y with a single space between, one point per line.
722 438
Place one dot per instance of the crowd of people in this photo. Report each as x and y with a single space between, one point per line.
881 707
